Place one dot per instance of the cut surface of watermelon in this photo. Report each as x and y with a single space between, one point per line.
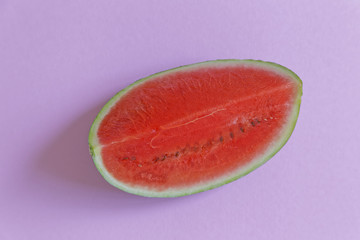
195 127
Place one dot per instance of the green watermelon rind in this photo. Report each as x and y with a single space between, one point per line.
95 148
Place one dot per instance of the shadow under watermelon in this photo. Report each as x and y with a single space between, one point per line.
65 175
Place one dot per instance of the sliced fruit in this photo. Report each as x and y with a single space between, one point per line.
196 127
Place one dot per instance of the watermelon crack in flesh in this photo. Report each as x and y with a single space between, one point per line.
195 127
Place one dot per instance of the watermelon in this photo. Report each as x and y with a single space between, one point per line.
195 127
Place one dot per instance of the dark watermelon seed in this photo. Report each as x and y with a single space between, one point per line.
195 148
221 139
231 134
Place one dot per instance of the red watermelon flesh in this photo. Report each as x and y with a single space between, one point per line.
195 127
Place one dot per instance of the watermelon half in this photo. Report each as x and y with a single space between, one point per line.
195 127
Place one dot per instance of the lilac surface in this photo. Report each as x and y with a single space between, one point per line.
60 61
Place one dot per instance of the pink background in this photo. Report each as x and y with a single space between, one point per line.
60 61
